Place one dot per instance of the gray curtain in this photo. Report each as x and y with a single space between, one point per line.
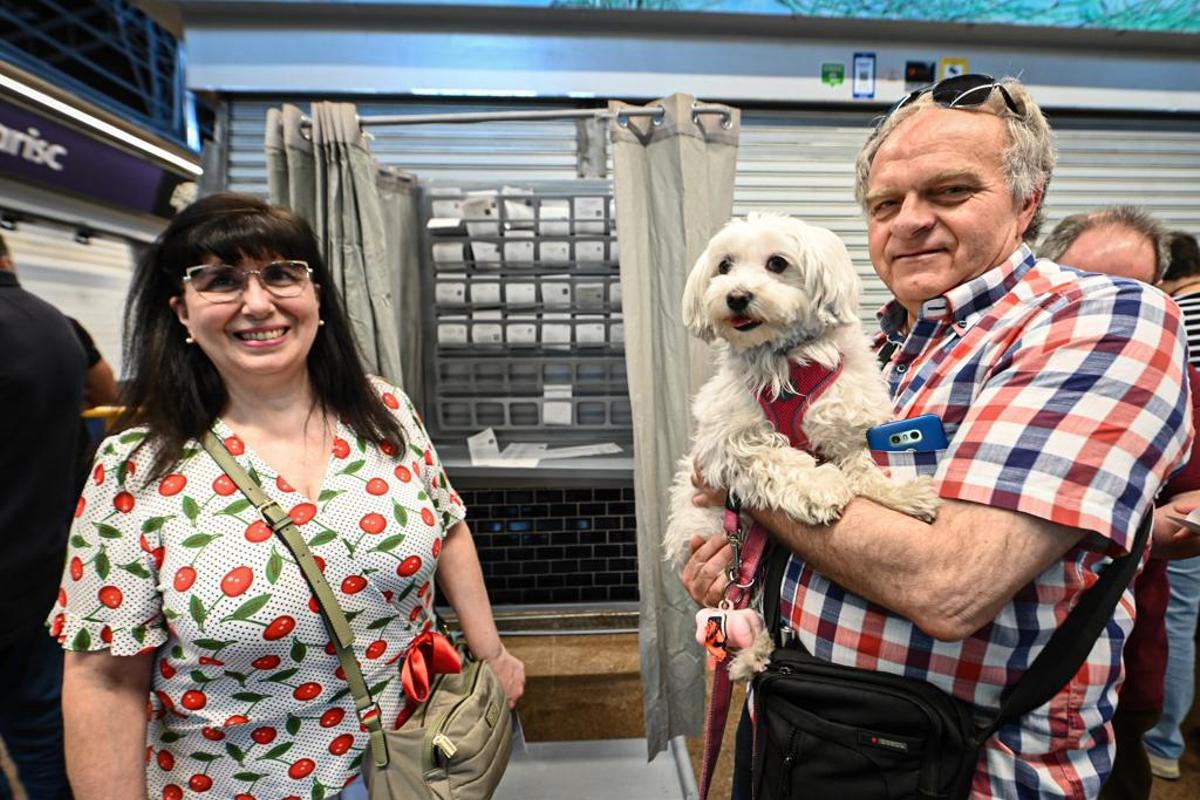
673 183
325 173
399 194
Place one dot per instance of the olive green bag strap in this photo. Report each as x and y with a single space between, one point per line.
335 618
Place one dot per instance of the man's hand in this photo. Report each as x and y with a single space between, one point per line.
1172 541
704 574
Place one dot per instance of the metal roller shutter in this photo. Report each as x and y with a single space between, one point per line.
85 281
481 152
793 162
802 163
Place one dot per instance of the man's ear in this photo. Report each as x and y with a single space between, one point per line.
1029 210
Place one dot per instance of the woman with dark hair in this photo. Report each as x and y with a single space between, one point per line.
176 592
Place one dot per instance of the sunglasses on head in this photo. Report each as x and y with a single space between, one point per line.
961 91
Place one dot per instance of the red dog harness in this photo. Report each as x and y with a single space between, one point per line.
786 412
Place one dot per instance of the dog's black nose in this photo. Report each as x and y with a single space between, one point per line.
737 301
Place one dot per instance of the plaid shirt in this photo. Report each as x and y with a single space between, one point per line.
1062 394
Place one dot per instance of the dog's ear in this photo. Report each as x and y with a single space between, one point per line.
829 275
695 315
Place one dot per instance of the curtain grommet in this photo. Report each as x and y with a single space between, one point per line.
658 118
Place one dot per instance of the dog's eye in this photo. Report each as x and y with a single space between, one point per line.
724 266
777 263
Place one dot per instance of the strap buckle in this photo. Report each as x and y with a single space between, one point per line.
368 713
275 516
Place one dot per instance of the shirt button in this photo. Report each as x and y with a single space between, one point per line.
901 367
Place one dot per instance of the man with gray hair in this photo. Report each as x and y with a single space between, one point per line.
1063 402
1117 240
1127 242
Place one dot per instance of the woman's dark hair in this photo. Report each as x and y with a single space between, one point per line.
175 390
1185 256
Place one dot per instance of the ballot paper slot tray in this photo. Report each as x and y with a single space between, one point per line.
523 286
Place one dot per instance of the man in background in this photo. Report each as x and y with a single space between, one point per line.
41 394
1164 743
1127 242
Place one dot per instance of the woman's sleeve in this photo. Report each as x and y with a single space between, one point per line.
423 457
108 598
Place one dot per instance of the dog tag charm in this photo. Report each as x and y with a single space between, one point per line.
711 632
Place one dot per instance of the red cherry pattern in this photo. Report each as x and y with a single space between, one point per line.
193 700
237 581
172 484
111 596
373 523
184 578
266 662
307 691
302 513
224 485
332 718
264 735
235 613
353 584
279 627
258 531
123 502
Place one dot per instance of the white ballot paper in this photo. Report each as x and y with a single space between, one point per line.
1191 521
450 294
555 218
485 294
557 408
555 251
589 214
485 452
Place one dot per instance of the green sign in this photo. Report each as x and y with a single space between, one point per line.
833 74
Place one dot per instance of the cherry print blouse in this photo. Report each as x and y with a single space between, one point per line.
247 697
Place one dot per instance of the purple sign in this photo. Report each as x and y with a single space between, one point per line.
36 148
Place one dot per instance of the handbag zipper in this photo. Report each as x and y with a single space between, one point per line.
436 740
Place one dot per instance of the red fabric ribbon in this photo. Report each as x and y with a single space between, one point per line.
428 655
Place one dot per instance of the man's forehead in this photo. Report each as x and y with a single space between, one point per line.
974 133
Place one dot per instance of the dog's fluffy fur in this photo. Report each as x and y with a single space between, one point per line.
806 310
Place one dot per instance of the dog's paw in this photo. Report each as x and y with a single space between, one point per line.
921 500
823 497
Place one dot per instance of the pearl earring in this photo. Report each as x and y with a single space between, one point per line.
320 323
189 339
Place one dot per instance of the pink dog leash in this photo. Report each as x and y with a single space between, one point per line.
786 414
743 572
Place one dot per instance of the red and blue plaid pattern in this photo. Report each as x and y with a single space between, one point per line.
1063 396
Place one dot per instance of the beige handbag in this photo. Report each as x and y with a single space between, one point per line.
456 745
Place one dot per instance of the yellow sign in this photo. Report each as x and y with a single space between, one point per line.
950 67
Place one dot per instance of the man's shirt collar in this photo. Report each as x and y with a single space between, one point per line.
964 302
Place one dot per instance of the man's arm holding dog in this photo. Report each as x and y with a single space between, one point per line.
950 577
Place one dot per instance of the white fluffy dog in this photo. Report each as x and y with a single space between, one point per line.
769 290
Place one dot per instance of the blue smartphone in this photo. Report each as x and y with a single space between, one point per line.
922 434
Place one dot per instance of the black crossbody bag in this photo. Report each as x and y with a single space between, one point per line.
822 730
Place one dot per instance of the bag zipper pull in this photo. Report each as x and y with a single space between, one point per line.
442 743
